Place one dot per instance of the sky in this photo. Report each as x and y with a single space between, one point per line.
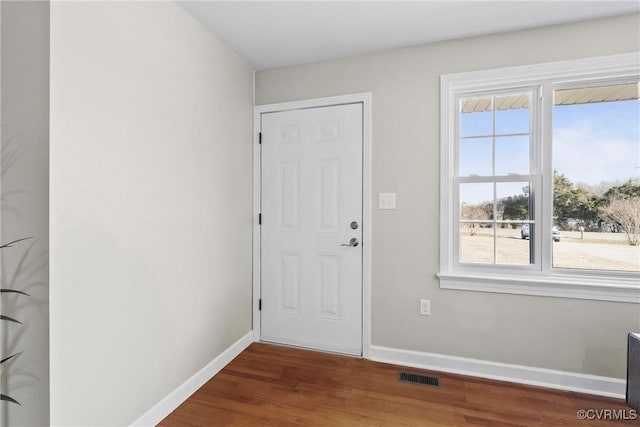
597 142
591 143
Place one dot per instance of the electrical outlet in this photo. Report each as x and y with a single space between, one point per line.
425 307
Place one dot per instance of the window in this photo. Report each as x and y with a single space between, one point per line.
540 187
494 179
597 208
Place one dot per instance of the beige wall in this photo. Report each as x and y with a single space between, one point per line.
24 192
566 334
151 126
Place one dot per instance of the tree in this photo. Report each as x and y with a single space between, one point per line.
624 211
561 199
626 190
481 211
573 203
515 207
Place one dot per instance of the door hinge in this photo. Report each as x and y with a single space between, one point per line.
259 219
260 304
260 138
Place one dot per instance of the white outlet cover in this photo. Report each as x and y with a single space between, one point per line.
387 200
425 307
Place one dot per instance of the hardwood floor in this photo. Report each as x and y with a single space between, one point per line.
269 385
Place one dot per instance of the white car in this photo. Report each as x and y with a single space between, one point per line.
555 233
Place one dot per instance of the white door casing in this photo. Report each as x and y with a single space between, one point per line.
311 194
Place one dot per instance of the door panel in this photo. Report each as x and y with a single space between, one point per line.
311 193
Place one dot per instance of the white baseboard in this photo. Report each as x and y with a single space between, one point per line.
570 381
167 405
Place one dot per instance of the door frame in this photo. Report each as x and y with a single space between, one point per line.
358 98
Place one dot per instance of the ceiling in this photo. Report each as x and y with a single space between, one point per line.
271 34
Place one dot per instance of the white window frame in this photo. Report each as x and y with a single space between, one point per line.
539 278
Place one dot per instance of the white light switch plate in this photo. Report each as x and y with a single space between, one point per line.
387 200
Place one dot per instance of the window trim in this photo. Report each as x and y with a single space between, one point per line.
543 281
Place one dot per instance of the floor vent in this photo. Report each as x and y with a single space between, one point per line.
408 377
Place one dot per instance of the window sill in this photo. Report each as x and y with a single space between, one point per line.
561 286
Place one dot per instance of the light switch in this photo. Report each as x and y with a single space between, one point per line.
387 200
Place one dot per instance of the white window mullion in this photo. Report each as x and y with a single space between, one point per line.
544 209
493 172
537 189
495 217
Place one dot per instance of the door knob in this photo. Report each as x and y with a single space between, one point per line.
353 242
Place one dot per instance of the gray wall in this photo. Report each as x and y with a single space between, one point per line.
151 127
24 183
566 334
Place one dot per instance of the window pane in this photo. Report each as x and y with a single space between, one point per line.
512 155
476 117
511 246
596 158
476 237
476 243
514 240
494 135
512 113
513 201
476 201
475 157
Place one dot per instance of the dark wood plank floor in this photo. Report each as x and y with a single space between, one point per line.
270 385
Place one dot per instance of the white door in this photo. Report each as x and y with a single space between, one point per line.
311 251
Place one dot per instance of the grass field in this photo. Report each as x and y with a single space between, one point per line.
600 251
